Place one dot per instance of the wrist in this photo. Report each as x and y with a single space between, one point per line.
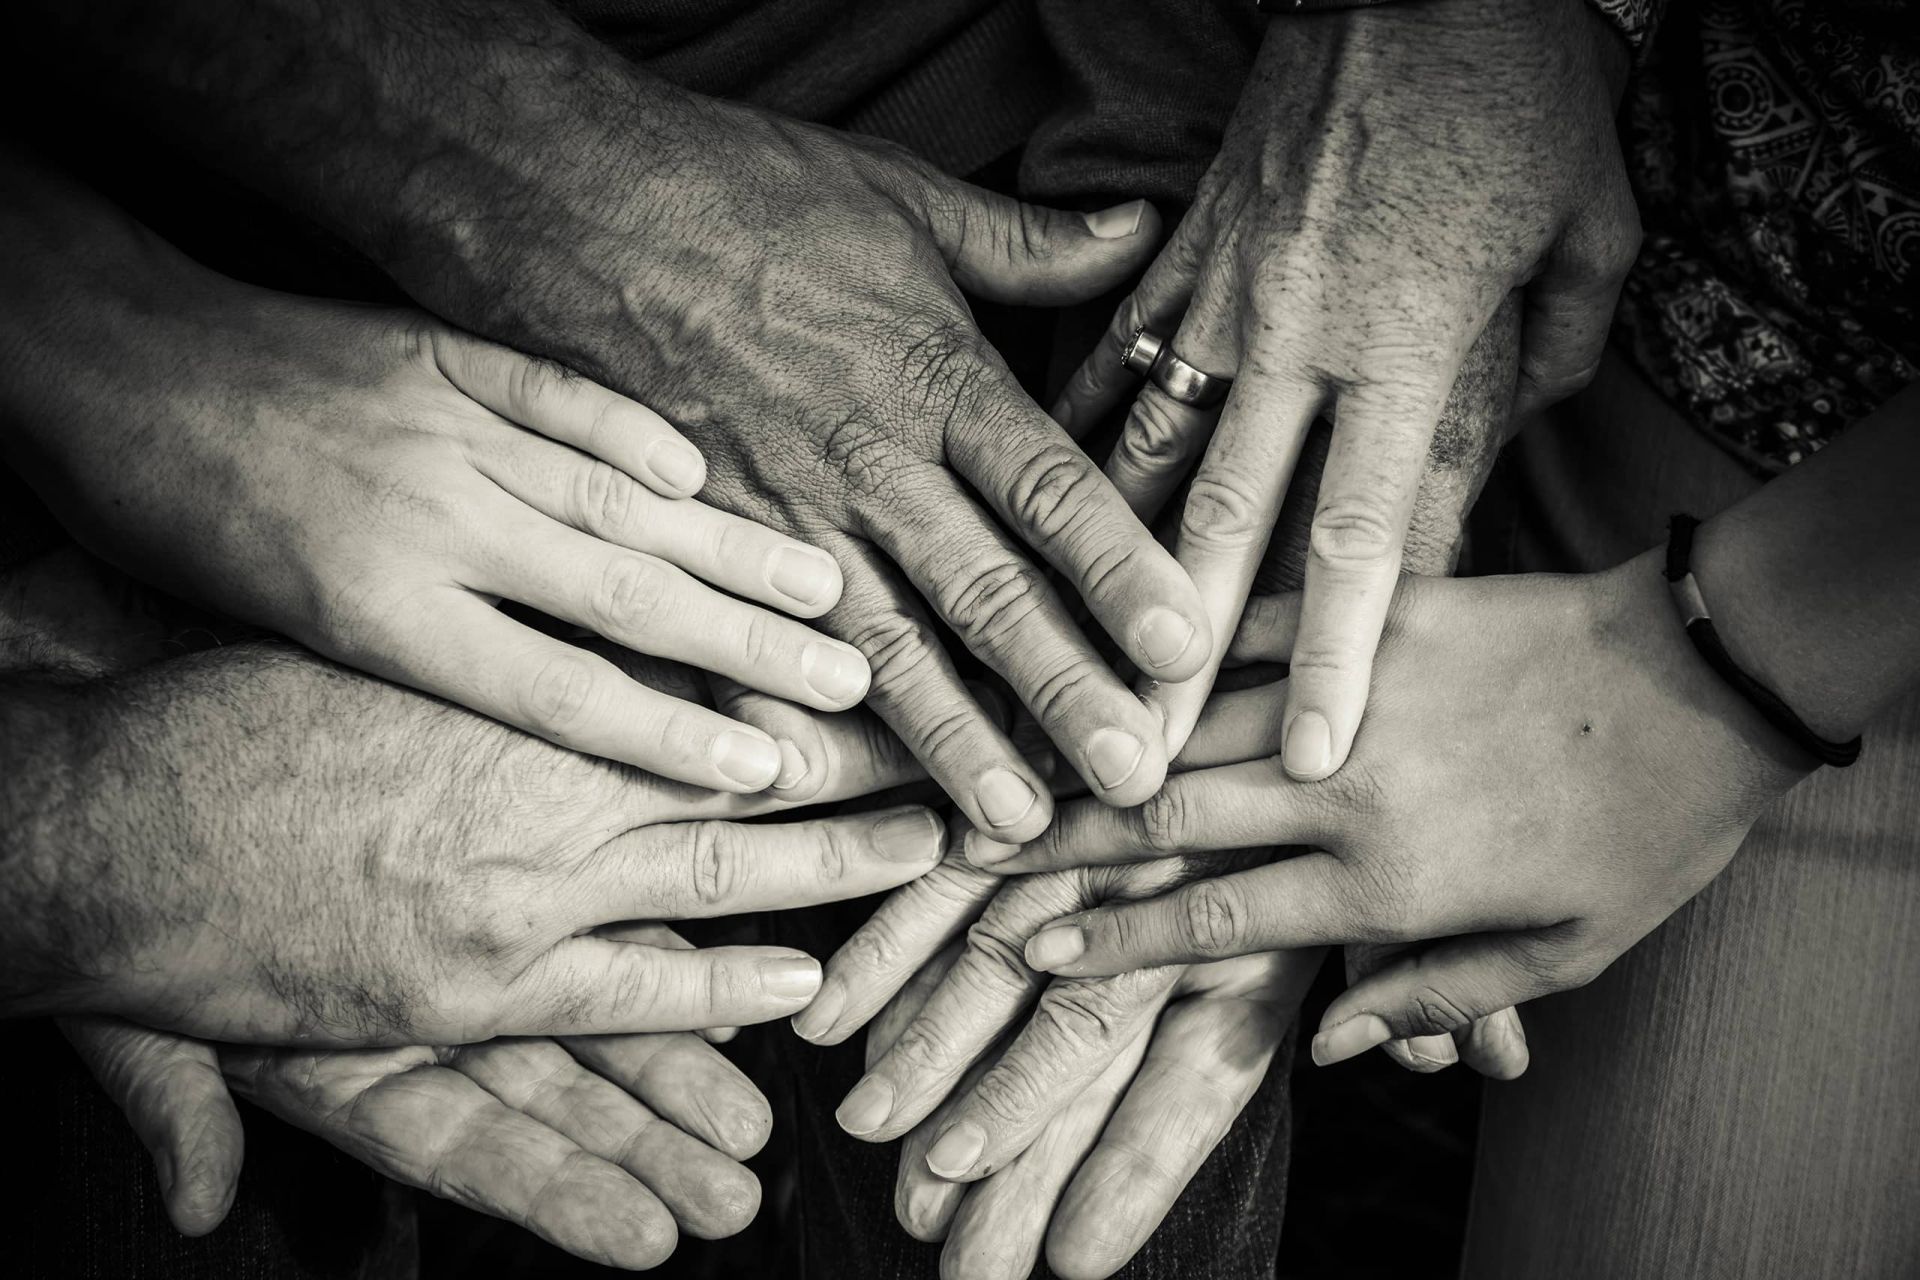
1709 727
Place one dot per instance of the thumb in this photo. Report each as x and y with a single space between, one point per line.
171 1091
1008 251
1442 990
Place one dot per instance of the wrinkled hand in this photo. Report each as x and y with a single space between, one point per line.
790 299
1103 1172
1390 175
606 1146
371 483
1549 771
944 1054
255 845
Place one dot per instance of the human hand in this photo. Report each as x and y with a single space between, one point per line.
606 1146
790 298
1103 1172
371 483
1390 176
1605 775
253 845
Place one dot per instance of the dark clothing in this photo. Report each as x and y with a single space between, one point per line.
1775 149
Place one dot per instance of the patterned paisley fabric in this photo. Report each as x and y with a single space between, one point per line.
1775 148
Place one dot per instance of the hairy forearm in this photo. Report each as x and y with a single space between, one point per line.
1814 581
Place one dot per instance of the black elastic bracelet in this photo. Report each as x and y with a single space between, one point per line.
1693 607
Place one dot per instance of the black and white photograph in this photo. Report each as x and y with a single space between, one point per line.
960 639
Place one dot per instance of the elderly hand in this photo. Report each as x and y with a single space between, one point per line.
790 299
1390 175
1604 775
607 1146
1103 1172
371 483
251 844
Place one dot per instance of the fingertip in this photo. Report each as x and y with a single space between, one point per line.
808 577
817 1021
1009 806
1349 1038
925 1207
1170 644
747 759
1306 752
985 852
675 468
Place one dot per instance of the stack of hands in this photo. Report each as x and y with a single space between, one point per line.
770 444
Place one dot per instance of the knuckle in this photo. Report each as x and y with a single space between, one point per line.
924 1047
942 362
561 695
834 860
1391 899
898 647
874 948
1220 511
713 863
606 499
1212 918
987 602
1077 1018
1438 1011
1062 689
1152 440
1057 488
760 645
991 950
630 593
1355 531
863 453
1165 820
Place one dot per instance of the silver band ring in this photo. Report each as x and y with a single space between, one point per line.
1151 356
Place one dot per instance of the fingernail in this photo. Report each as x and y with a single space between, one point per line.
1118 222
983 851
1114 754
1350 1039
818 1018
793 766
1004 797
957 1149
678 464
1309 748
1164 636
1054 946
914 836
927 1207
790 978
867 1107
1433 1051
748 759
836 672
800 574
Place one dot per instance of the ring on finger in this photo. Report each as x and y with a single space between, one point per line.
1151 356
